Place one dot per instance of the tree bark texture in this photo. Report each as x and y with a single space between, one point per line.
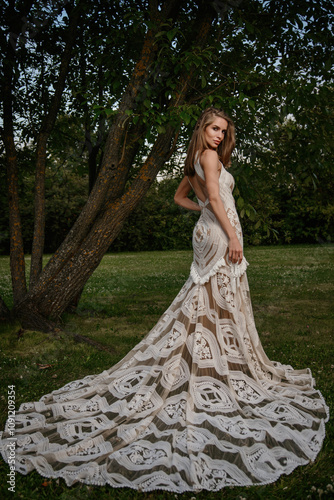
108 205
4 311
41 152
17 263
110 168
52 297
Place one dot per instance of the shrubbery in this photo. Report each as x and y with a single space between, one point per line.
279 214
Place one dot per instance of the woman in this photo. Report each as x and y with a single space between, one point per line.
196 404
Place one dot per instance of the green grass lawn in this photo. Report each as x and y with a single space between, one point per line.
292 295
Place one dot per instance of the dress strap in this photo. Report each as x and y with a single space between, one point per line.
198 169
200 172
203 204
190 184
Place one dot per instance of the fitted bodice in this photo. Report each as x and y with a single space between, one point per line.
210 242
226 184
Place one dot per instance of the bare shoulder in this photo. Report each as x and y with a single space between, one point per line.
210 159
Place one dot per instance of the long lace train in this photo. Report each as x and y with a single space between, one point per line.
195 405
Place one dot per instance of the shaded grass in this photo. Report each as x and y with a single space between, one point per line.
292 295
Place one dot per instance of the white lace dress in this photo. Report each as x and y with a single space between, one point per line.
195 405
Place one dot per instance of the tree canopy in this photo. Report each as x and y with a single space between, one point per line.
113 89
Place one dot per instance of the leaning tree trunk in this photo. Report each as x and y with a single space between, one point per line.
41 151
107 207
49 299
111 177
117 188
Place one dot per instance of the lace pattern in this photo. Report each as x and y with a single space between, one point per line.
195 405
210 243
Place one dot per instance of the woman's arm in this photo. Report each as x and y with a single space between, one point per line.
181 196
210 164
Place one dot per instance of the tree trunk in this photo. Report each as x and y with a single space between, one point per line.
110 163
4 311
105 213
31 318
43 136
17 264
50 298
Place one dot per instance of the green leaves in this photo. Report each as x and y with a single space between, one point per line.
185 116
263 63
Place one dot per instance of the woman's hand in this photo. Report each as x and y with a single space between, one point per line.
235 253
210 164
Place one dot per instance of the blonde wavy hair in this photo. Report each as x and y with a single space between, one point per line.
198 143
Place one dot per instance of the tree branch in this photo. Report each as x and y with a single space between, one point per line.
43 136
111 157
108 224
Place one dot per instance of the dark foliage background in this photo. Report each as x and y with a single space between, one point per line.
276 213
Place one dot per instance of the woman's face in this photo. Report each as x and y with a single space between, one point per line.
215 132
